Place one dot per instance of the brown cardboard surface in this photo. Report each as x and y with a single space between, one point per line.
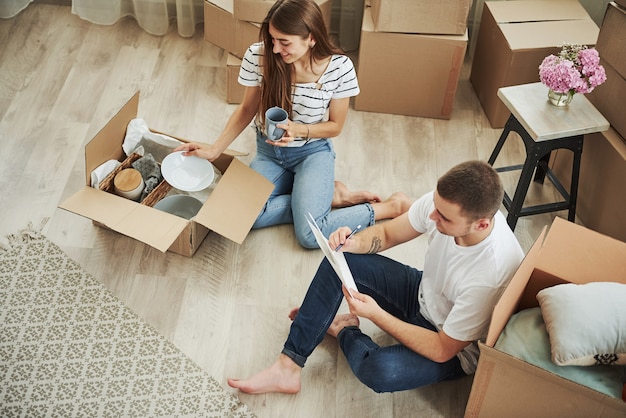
622 3
222 29
230 210
514 37
256 10
232 207
408 74
537 10
234 90
608 98
601 202
611 43
442 17
507 386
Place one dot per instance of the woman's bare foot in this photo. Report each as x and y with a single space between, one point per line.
343 197
340 322
281 377
397 204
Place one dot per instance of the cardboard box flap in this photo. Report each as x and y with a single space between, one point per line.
237 200
536 35
127 217
104 146
537 11
509 300
573 253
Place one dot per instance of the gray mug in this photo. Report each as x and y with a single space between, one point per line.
274 116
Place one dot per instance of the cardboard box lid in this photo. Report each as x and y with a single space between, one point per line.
534 35
126 217
234 205
570 252
536 10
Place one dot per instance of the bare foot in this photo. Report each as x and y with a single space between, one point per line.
281 377
342 197
293 313
342 321
397 204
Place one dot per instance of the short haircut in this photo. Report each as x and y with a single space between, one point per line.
475 186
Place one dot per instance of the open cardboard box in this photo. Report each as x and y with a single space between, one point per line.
505 386
230 209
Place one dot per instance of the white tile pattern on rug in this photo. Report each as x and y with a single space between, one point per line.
68 347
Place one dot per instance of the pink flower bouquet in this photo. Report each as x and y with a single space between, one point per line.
576 69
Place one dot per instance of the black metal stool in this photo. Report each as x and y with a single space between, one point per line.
544 128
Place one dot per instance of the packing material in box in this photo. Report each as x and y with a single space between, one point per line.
256 10
505 386
601 202
408 74
513 39
222 29
230 209
441 17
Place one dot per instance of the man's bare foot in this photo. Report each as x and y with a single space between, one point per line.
340 322
281 377
394 206
343 197
293 313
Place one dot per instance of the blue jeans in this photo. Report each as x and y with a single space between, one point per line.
304 181
394 286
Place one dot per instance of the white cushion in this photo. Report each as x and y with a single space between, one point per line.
586 323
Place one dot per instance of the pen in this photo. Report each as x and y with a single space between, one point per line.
348 237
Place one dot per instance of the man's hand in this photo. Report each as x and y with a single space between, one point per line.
360 304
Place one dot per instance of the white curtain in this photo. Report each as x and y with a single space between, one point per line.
9 8
153 16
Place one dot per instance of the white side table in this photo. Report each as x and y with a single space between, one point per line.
544 128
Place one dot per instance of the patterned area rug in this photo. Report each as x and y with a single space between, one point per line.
70 348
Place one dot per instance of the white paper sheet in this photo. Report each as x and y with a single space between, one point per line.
336 259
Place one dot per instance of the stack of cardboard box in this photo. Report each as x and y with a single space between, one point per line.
514 37
234 25
410 56
601 201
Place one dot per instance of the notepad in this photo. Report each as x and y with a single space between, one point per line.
337 259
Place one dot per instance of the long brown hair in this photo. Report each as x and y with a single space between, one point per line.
291 17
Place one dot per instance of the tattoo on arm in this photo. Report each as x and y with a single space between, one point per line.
375 245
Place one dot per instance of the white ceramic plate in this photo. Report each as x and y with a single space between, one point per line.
180 205
190 174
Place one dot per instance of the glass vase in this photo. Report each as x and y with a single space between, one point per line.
560 99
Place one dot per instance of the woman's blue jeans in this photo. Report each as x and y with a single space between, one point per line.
394 286
304 181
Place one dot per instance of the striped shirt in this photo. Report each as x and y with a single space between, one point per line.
310 100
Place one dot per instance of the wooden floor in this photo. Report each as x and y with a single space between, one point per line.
62 78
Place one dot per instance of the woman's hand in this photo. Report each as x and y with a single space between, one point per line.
291 133
208 152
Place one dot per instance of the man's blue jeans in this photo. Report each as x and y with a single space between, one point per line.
304 181
394 286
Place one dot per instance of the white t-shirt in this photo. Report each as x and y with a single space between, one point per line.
310 100
461 285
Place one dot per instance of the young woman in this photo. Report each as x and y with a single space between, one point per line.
297 67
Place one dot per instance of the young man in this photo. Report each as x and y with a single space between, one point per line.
436 315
